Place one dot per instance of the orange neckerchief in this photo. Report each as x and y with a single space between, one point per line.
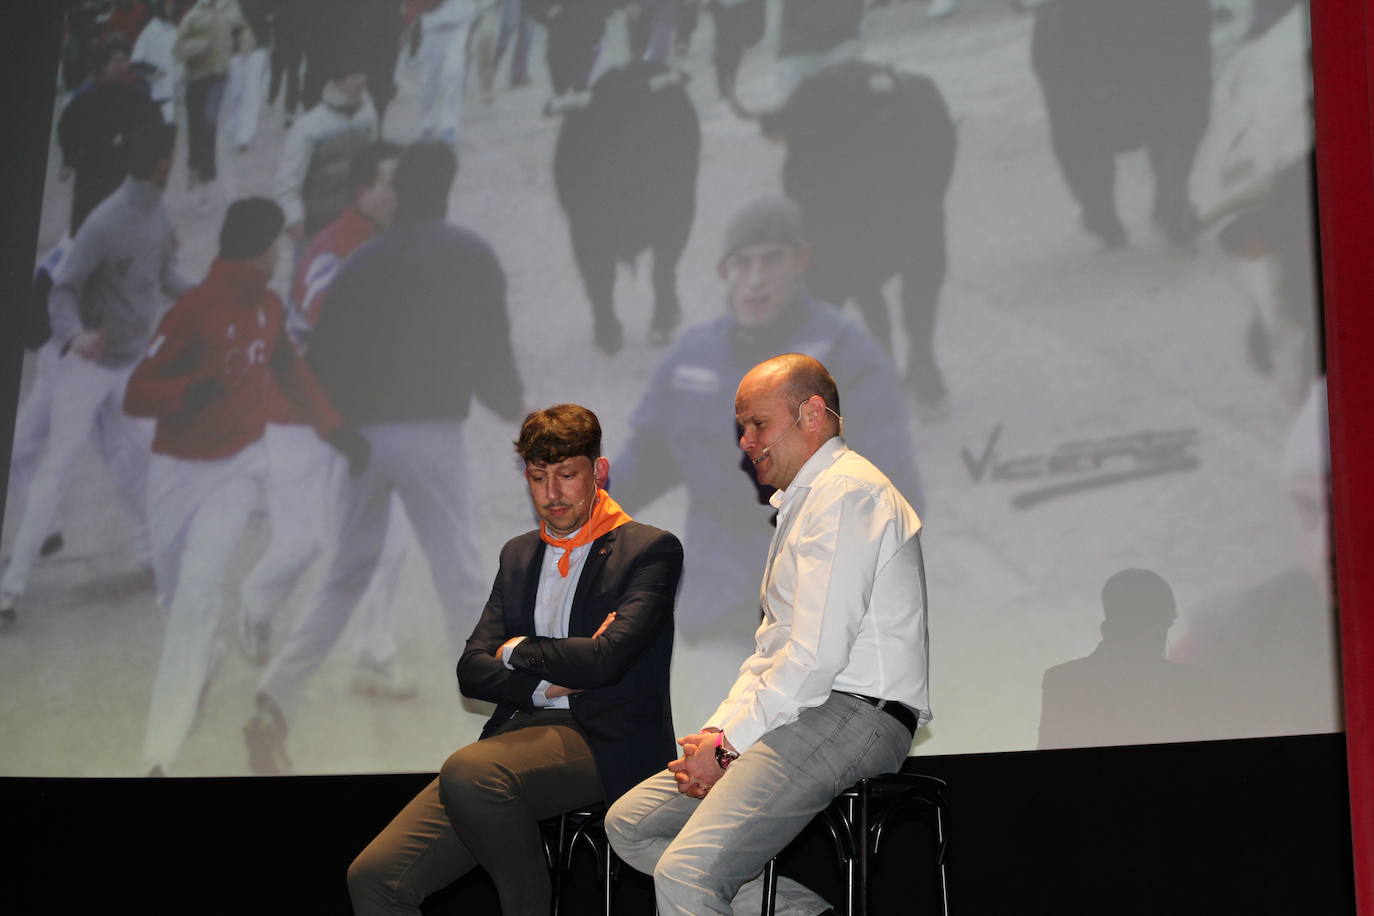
606 515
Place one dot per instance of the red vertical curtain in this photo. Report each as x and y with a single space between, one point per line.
1344 109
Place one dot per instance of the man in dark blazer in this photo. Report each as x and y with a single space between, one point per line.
573 648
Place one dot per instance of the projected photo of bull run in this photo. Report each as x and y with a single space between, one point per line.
1057 254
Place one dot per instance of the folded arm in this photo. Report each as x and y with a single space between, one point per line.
481 673
643 609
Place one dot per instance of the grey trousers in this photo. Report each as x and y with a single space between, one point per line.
706 855
483 810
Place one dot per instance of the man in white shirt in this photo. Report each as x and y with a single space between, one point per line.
837 683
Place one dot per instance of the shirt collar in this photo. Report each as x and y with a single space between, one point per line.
562 537
242 282
358 221
822 458
333 97
141 194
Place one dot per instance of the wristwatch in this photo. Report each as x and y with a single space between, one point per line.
724 756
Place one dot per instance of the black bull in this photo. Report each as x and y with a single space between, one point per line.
870 152
626 172
1119 75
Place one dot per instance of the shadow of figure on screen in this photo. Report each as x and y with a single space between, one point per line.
1126 691
1270 648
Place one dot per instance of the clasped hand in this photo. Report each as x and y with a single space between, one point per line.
696 771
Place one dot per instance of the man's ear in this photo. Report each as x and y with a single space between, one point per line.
601 471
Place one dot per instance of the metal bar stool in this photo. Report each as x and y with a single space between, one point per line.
856 819
562 835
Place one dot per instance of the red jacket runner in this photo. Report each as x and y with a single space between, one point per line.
229 328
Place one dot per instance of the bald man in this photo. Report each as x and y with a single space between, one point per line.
836 686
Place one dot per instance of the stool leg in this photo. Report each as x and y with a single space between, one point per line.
770 886
559 855
852 901
861 850
608 888
942 856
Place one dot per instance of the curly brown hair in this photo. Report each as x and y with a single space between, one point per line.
558 433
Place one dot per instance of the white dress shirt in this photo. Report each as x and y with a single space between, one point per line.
843 600
553 601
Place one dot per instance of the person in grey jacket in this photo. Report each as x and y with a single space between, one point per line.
107 297
313 184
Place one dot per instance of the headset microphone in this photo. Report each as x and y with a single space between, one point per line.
769 447
839 418
763 453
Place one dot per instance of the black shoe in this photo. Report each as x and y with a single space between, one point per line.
255 639
8 618
1258 350
265 735
52 544
1180 226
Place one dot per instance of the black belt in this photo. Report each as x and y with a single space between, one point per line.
893 708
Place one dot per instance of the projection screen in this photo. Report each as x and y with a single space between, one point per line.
1075 245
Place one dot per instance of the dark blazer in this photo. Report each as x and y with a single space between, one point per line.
624 708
